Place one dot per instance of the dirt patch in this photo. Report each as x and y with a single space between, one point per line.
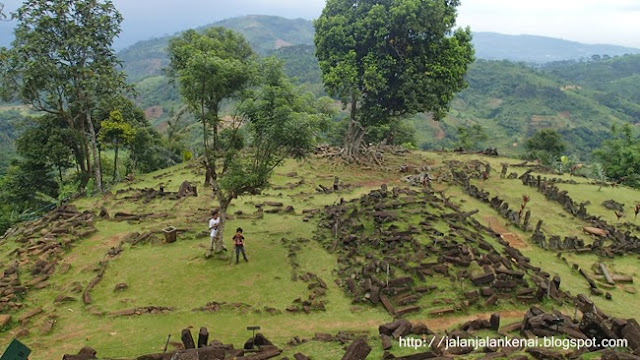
494 103
153 112
445 323
162 127
114 240
281 43
497 225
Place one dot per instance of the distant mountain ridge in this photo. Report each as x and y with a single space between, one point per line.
264 34
267 33
510 99
539 49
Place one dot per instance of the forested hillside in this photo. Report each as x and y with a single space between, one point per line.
510 101
264 34
123 199
581 100
539 49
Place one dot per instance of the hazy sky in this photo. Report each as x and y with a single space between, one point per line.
588 21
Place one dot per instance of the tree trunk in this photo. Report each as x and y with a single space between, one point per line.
94 151
87 157
224 205
77 153
100 162
355 134
353 139
115 163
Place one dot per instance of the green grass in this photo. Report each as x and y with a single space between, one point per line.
177 275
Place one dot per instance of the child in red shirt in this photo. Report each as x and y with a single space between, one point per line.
238 241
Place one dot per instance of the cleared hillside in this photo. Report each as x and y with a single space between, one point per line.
183 289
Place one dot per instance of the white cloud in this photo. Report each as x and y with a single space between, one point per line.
589 21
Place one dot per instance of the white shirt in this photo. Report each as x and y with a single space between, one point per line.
214 222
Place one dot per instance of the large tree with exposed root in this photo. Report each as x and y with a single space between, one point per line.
385 59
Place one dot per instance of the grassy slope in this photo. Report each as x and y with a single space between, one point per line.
176 275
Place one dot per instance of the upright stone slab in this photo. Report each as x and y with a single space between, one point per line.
495 321
203 337
187 339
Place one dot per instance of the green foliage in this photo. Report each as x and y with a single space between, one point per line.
24 183
598 172
266 33
396 132
91 188
8 133
620 157
545 145
471 138
300 63
280 123
392 58
48 140
116 131
219 65
68 190
565 164
209 68
186 155
147 150
61 62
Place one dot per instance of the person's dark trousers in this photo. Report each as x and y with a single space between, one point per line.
239 249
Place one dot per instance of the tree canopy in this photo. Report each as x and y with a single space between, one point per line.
391 58
272 121
545 145
620 156
62 62
210 67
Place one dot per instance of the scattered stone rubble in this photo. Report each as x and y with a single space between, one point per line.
42 245
622 241
186 189
365 256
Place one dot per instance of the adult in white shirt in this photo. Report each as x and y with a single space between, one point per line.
213 227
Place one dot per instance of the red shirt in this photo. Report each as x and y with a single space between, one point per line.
238 240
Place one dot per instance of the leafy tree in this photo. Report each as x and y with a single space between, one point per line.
470 138
8 133
210 67
147 150
279 123
390 58
27 186
272 122
62 61
116 131
545 145
46 140
620 156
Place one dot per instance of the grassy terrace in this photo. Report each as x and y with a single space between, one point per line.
178 276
